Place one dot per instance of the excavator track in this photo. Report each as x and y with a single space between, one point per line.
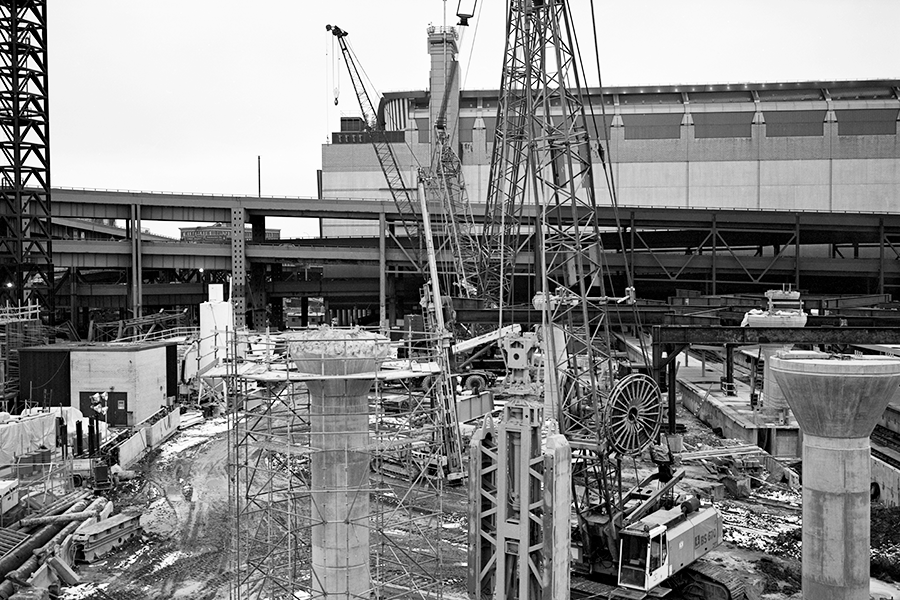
704 580
582 588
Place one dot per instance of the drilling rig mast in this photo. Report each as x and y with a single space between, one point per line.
543 154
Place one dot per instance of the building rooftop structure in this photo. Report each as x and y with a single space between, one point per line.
816 145
220 233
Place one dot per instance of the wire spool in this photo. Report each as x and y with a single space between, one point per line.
633 414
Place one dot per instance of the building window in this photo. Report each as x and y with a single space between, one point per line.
788 123
723 124
873 121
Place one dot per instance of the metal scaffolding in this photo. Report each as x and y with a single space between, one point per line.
416 549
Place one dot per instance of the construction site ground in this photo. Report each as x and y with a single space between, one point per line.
182 492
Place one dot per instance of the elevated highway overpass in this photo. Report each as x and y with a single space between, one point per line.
715 250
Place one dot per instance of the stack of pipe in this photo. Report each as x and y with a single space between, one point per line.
21 563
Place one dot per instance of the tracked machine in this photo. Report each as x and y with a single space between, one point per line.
634 544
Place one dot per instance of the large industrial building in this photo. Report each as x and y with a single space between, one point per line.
791 146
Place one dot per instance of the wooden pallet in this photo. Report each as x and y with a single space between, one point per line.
10 539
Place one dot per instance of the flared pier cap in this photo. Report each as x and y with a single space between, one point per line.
837 397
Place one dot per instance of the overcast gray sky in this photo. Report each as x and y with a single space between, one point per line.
182 95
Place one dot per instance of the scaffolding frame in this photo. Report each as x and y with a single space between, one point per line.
415 549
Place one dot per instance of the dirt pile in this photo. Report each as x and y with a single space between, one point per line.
781 576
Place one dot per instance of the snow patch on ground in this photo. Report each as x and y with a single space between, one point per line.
881 590
755 529
791 497
168 559
131 559
83 590
193 436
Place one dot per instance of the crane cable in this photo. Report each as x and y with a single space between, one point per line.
335 70
610 177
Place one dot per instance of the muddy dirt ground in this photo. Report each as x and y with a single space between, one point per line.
182 492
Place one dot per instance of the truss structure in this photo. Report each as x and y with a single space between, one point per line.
510 158
26 259
161 325
543 148
452 222
18 329
417 546
543 154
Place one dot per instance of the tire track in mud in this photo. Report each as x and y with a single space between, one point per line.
184 551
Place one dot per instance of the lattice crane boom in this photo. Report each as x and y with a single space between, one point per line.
501 236
454 220
543 154
387 158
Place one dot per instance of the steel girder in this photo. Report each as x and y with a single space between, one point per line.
26 258
718 336
757 254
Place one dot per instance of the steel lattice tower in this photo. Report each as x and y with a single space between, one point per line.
543 154
510 157
26 260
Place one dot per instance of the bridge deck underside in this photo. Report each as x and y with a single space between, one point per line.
714 251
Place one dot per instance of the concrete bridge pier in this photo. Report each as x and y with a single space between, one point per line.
346 361
837 404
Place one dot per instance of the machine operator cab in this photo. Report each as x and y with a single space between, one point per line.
659 545
643 562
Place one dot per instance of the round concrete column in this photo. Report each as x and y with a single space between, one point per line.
837 404
346 361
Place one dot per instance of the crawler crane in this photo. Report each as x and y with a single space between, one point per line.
443 181
542 150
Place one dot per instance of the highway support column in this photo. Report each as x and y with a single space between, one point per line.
238 267
837 404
